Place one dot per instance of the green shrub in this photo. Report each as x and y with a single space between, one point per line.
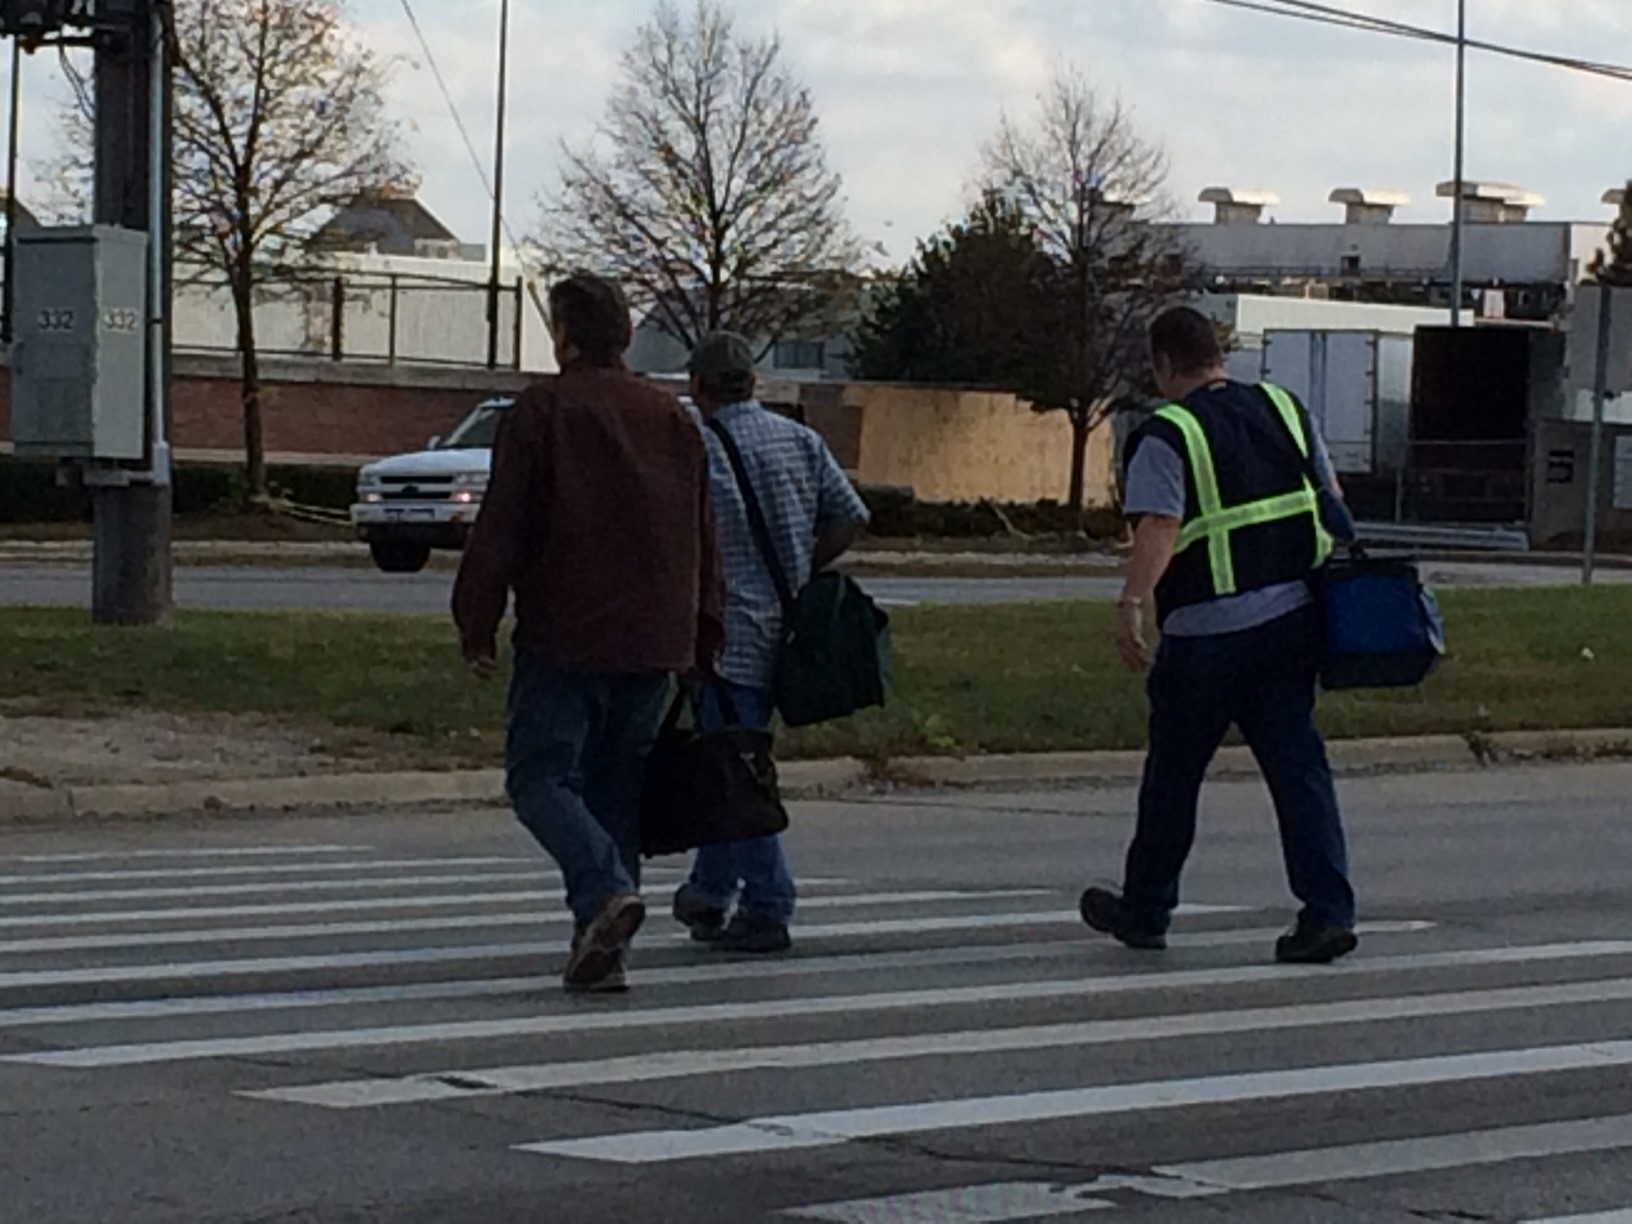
29 492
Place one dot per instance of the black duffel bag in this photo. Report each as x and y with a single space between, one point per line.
834 656
704 787
1383 628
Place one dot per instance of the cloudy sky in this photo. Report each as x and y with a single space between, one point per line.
908 89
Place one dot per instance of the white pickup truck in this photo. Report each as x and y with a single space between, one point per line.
408 505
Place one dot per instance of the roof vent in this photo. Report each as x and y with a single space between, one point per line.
1492 203
1236 207
1363 206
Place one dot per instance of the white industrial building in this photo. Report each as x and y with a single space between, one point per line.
1513 267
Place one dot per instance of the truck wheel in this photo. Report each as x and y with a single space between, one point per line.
400 557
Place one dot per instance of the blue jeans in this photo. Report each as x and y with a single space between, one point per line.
575 759
1262 681
752 873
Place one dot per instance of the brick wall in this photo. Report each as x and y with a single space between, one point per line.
317 408
946 444
316 418
822 406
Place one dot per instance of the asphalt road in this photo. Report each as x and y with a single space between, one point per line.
356 1019
360 590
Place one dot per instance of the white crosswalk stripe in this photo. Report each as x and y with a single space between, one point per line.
920 1010
832 1127
183 853
1282 1170
534 897
531 918
978 1041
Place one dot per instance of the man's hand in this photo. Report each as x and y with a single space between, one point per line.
1130 634
483 661
1154 539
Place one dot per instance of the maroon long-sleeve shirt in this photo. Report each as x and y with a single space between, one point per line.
598 516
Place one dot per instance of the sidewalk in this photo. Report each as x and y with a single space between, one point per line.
59 770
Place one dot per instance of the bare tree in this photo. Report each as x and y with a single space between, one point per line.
707 191
279 120
1094 192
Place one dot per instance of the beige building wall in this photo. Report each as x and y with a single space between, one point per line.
952 445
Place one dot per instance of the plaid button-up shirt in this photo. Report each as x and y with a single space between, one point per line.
804 493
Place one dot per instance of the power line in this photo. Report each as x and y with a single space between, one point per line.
447 97
1354 21
453 110
475 157
1332 15
1384 24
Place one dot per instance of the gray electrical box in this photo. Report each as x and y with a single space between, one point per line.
80 359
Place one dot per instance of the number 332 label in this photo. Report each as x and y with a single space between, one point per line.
121 320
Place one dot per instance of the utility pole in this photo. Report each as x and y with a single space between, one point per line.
1457 224
497 249
8 324
131 575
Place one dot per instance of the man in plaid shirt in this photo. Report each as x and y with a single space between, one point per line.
741 895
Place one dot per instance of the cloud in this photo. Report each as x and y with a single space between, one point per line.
909 89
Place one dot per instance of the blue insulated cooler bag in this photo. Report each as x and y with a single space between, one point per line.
1383 627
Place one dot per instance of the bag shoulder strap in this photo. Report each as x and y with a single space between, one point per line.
757 523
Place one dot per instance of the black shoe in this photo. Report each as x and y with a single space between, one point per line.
616 980
753 933
1312 945
705 922
597 952
1106 912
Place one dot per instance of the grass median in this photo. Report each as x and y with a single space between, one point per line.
1032 678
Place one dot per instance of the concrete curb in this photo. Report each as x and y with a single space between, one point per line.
801 780
875 562
1348 757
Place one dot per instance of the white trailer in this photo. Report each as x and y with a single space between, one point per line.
1357 387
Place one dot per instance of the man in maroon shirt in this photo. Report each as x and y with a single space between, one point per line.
597 516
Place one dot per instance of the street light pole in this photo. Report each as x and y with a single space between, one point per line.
496 251
1461 144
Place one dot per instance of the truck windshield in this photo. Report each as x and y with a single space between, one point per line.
476 431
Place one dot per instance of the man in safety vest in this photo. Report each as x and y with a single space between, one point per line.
1234 500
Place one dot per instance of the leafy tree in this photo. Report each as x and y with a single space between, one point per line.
974 308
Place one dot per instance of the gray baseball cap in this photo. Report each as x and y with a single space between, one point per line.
720 355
